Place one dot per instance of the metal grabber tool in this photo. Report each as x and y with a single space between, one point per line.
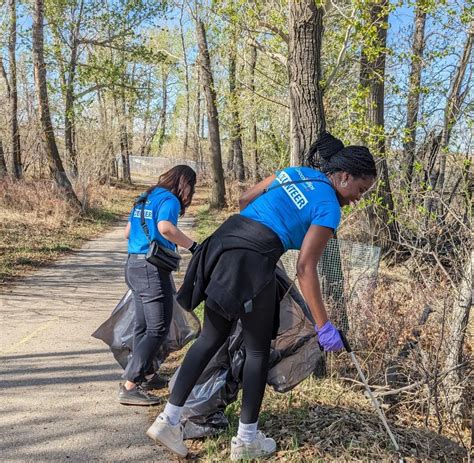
376 405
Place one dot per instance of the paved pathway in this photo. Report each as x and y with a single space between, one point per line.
58 385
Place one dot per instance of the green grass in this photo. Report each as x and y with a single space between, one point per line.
207 222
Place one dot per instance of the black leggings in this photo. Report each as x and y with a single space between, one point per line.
257 334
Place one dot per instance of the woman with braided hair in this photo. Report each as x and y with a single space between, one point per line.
233 271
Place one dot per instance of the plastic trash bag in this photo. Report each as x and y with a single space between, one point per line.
117 331
295 352
294 355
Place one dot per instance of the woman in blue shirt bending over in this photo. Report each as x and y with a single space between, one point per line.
151 286
233 271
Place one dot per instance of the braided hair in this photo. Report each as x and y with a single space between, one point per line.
329 155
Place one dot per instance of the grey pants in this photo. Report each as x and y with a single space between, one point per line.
153 300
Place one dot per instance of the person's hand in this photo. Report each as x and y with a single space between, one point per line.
329 337
194 247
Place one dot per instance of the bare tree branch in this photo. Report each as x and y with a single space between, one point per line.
274 55
276 30
241 82
342 52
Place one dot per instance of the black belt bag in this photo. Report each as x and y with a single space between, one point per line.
159 256
162 258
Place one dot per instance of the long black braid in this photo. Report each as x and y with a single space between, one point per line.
329 155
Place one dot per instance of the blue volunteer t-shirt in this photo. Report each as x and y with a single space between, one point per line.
161 205
291 209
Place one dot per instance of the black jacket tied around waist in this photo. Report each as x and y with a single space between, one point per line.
231 267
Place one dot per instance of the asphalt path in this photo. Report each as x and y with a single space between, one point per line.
58 385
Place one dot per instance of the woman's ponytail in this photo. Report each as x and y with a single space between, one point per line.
329 155
323 149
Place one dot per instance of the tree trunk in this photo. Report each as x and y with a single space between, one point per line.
307 119
413 100
186 84
435 149
55 164
372 79
456 331
3 164
236 128
164 110
17 168
147 116
124 142
197 118
69 117
253 128
218 186
110 161
453 106
126 177
150 139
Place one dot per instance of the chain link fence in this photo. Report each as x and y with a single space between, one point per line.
153 166
348 275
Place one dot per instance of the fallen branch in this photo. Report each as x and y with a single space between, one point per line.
381 391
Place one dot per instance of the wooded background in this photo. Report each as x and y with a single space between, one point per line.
246 87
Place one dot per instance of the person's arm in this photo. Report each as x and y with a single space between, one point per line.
311 250
174 234
127 230
248 196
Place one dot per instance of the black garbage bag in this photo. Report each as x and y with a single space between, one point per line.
117 331
294 355
217 387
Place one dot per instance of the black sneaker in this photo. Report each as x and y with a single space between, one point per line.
137 396
156 382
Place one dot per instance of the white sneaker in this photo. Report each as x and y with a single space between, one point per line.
261 446
163 432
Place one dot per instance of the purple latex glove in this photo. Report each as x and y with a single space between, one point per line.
329 337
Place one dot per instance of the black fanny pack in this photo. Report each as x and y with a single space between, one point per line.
162 258
159 256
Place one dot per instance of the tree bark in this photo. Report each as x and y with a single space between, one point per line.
17 167
307 119
147 116
51 148
69 115
164 110
218 186
124 141
110 162
253 126
236 153
3 164
434 149
456 331
372 78
454 102
197 118
413 100
186 84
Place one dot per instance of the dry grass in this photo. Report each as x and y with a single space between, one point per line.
37 225
331 419
326 420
